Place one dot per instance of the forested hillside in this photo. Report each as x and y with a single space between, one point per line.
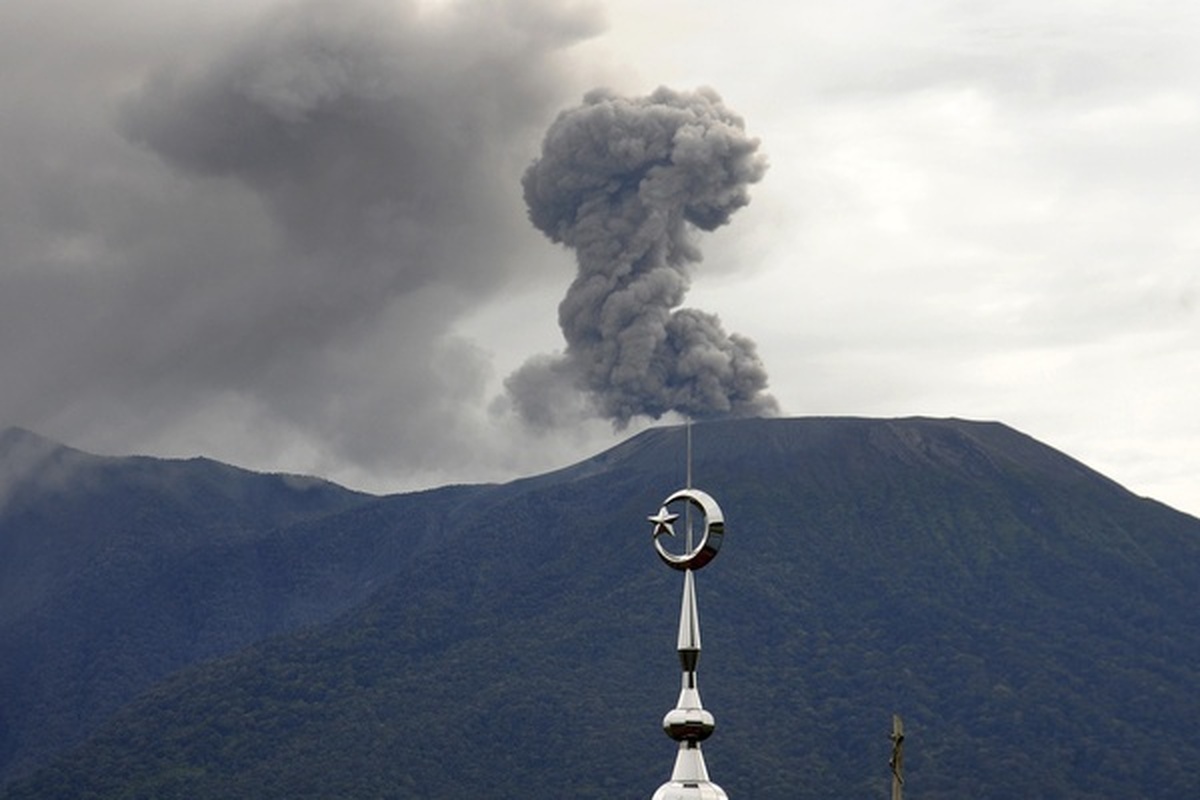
1036 625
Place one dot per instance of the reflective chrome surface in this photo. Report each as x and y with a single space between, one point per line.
710 540
689 723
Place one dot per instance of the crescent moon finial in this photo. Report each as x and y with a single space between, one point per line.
710 541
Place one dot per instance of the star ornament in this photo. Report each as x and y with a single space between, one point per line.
662 523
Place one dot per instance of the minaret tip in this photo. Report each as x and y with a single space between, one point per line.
689 723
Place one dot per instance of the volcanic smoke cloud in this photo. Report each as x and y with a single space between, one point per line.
620 181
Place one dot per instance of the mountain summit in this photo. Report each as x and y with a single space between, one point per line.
1035 624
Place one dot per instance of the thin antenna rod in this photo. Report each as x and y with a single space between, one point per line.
896 762
689 454
688 511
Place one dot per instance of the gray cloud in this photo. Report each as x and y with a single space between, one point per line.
275 231
621 182
377 144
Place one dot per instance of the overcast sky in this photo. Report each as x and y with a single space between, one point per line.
294 236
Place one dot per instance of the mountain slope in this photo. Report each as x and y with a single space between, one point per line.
115 572
1034 623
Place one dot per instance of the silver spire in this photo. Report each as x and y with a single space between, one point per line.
689 723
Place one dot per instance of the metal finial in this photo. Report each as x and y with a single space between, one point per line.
696 555
689 723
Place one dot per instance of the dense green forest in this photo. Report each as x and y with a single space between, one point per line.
1036 625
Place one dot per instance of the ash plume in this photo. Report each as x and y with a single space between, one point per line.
622 182
259 245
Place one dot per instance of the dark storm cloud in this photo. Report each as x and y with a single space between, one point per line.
622 182
276 229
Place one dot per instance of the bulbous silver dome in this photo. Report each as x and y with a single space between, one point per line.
690 791
696 724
